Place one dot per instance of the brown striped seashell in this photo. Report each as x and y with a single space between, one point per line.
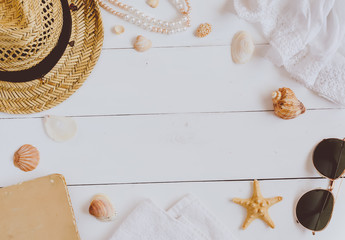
102 208
286 105
203 30
26 158
142 44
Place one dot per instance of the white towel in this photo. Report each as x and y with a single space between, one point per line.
306 37
187 220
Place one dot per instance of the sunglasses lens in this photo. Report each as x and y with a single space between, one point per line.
329 158
314 209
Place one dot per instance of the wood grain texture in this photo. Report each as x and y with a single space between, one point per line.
175 80
217 198
177 147
182 112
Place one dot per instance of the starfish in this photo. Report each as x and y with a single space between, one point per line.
257 206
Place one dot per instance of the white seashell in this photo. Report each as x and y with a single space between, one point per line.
59 128
142 44
153 3
242 47
118 29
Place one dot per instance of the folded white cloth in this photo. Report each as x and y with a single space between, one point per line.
187 220
306 37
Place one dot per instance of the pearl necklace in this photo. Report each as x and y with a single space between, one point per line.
150 23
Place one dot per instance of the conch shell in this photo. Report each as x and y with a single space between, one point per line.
242 47
142 44
286 105
102 208
26 158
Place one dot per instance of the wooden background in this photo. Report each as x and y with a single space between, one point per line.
183 118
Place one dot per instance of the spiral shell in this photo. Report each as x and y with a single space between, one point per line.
26 158
242 47
142 44
203 30
286 105
102 208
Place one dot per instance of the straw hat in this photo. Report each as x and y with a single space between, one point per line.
47 50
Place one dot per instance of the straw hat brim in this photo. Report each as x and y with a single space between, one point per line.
68 74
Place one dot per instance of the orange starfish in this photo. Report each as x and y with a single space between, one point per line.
257 206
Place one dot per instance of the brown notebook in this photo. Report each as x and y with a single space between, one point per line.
37 210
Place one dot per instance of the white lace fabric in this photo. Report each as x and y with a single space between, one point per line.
306 37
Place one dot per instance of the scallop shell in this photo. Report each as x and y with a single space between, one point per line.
102 208
153 3
242 47
59 128
142 44
119 29
203 30
286 105
26 158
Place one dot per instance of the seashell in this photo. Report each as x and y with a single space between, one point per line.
142 44
286 105
203 30
242 47
59 128
26 158
153 3
118 29
102 208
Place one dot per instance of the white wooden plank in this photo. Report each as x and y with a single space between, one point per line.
219 13
174 147
217 198
180 80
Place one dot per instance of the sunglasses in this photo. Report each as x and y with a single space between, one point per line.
314 209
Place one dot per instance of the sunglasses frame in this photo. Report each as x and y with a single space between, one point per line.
329 189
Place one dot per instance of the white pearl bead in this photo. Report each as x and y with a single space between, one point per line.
132 20
185 19
120 5
142 15
137 12
150 28
179 22
126 17
147 19
131 9
144 25
178 30
138 22
160 30
184 29
172 24
125 7
180 6
166 24
154 21
160 22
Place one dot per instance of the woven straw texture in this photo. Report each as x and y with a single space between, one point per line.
71 70
28 32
